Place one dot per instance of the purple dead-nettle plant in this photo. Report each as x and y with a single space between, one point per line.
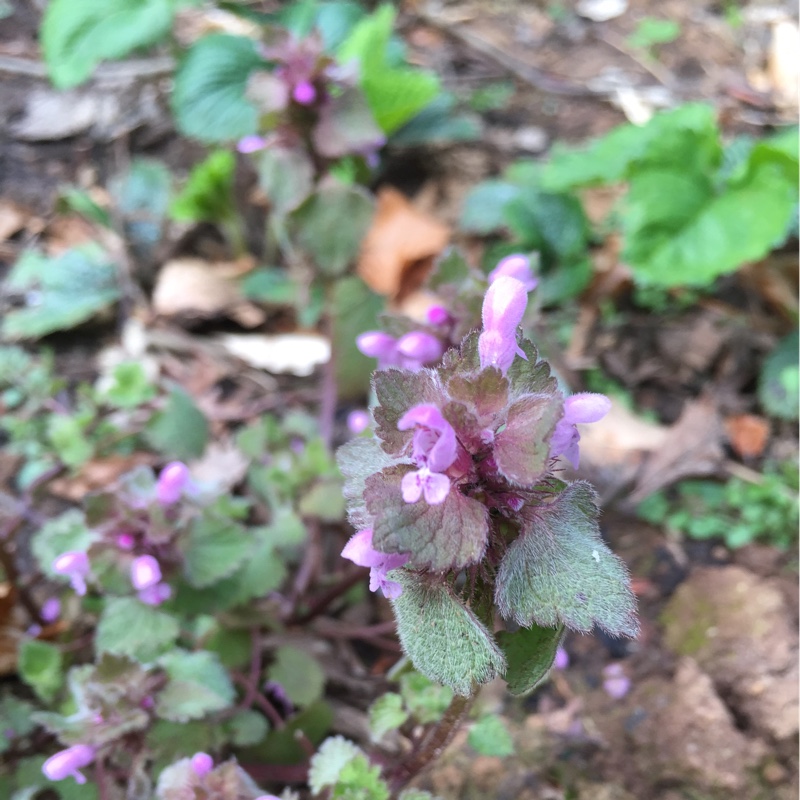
462 516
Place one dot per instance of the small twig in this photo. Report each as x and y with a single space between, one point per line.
319 605
258 699
332 631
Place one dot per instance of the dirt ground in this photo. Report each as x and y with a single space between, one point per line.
712 706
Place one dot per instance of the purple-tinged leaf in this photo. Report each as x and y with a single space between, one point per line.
522 449
462 360
397 392
531 376
450 535
443 638
559 570
485 392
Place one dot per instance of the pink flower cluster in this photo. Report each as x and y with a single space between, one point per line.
411 351
146 579
360 551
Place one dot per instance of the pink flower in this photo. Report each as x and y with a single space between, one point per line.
615 682
410 351
515 266
202 764
145 572
172 481
503 309
579 408
438 315
75 565
304 93
126 541
51 609
155 595
360 551
420 347
67 762
377 344
358 421
561 659
251 144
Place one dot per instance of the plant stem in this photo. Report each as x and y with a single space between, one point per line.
431 745
318 606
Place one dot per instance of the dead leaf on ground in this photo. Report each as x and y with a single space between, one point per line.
67 231
194 288
295 353
12 219
399 249
222 466
747 434
783 63
96 474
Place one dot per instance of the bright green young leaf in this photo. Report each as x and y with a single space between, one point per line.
324 501
386 714
197 685
213 550
779 383
208 194
61 292
77 35
67 435
329 761
425 700
299 673
652 31
442 637
530 653
360 780
180 430
394 94
439 122
209 96
490 737
129 627
331 225
40 666
559 570
129 386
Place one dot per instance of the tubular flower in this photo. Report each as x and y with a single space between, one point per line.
304 93
434 448
145 572
68 762
360 551
419 347
172 481
518 267
75 565
202 764
578 408
503 309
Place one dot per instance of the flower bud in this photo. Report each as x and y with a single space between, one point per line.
438 315
420 346
202 764
126 541
515 266
503 309
615 682
155 595
171 483
51 609
145 572
304 93
251 144
67 762
358 421
377 344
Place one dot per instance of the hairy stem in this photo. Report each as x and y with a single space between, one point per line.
431 745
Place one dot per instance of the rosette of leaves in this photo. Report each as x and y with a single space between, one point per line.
509 540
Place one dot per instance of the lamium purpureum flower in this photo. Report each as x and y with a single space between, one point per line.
251 144
202 764
503 309
438 315
172 481
67 763
515 266
145 572
304 93
359 550
434 449
155 595
411 351
75 565
615 682
358 421
578 408
51 609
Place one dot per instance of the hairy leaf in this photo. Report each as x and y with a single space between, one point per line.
129 627
40 667
214 549
450 535
197 685
397 391
530 653
328 762
559 571
299 673
442 637
386 714
180 430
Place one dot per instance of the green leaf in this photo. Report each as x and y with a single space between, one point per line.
425 700
197 685
299 673
522 449
324 501
779 382
439 122
16 720
490 737
40 666
329 761
394 94
442 637
209 95
360 780
450 535
386 714
66 434
530 653
287 177
246 728
346 125
68 531
231 646
331 224
77 35
60 292
270 285
335 20
559 571
208 193
179 431
129 386
213 550
483 209
282 746
651 31
131 628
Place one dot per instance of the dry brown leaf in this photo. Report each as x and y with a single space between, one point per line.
399 248
783 63
67 231
96 474
12 219
747 434
192 287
